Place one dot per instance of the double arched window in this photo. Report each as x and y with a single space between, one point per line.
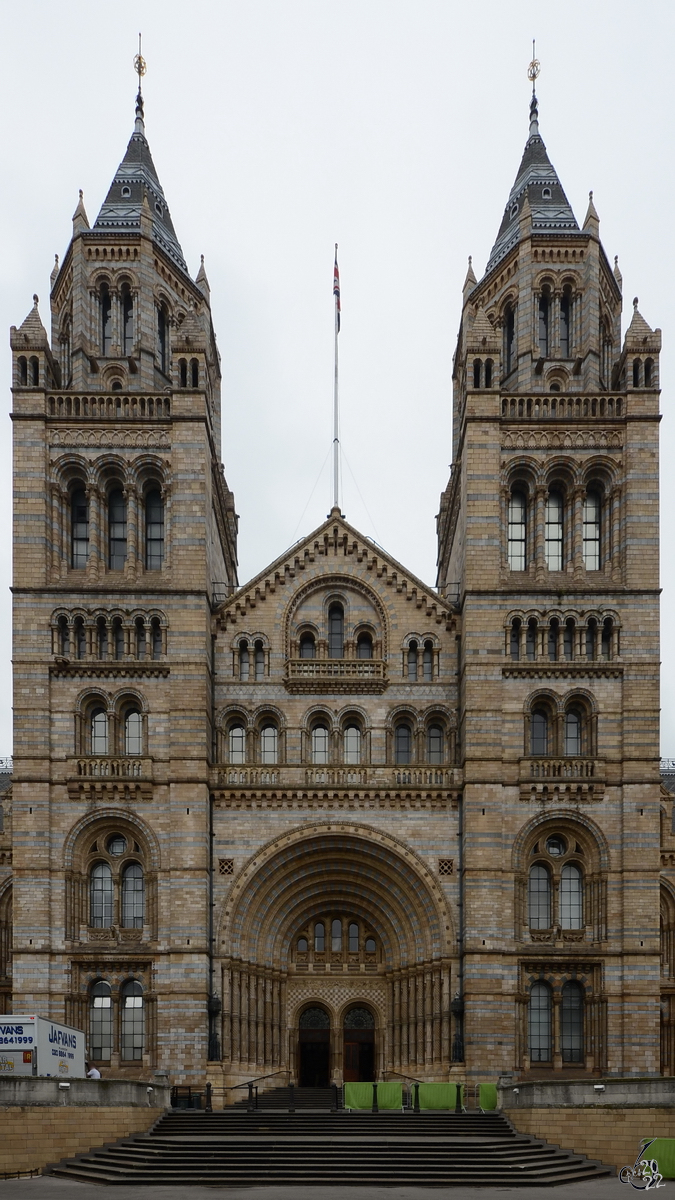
540 1026
261 744
571 733
116 886
252 660
339 935
419 661
555 894
118 732
102 1005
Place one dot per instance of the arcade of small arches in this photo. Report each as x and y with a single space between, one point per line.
562 521
559 637
109 636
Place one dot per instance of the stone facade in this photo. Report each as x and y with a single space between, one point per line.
336 797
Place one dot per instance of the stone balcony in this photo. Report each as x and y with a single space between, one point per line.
364 776
127 777
568 778
344 675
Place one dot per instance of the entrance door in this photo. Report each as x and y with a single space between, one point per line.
358 1062
314 1048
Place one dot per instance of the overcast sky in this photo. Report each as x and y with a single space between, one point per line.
395 129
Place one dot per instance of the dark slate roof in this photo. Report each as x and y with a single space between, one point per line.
551 213
137 173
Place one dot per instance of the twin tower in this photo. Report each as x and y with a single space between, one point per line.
337 822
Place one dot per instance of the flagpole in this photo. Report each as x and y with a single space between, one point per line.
336 424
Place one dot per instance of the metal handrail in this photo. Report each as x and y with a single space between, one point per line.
402 1076
258 1079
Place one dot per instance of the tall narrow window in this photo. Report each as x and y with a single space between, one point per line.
127 323
106 320
182 372
531 640
364 646
476 372
307 648
154 530
320 745
636 372
80 639
488 372
517 531
539 1023
194 372
243 660
102 639
162 339
79 524
509 340
428 661
412 661
572 1023
99 732
352 745
554 531
100 1021
64 637
553 631
319 937
572 732
100 896
336 623
403 744
133 733
649 365
133 1024
592 532
539 733
539 897
336 935
353 938
606 643
435 745
565 315
118 639
117 530
269 740
141 639
23 371
543 314
237 744
568 639
591 639
514 640
133 896
571 897
259 660
156 635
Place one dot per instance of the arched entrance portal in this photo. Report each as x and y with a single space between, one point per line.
314 1048
359 1046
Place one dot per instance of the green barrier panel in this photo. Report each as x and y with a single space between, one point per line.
358 1095
389 1096
438 1095
487 1096
663 1150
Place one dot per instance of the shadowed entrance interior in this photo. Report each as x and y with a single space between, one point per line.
314 1048
359 1046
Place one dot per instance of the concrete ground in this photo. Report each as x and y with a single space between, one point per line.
49 1188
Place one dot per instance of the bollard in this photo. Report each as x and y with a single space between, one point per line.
374 1108
291 1098
416 1105
334 1106
458 1102
209 1106
249 1106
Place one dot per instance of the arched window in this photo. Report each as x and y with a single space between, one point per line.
488 372
539 1023
435 745
259 660
105 304
531 640
649 365
336 621
127 322
80 639
412 660
352 745
79 528
156 636
269 740
102 638
162 339
606 644
302 945
571 897
141 639
591 638
364 646
64 638
35 371
118 639
133 1024
553 631
336 935
370 945
476 372
572 1023
517 531
353 938
243 660
117 530
320 745
403 744
509 340
100 896
573 732
237 744
636 372
428 661
133 896
100 1021
568 639
182 372
554 531
565 323
543 321
319 937
133 732
514 640
307 647
154 530
194 372
539 897
22 364
99 732
539 733
591 546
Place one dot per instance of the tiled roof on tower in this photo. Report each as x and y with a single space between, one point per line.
135 178
537 180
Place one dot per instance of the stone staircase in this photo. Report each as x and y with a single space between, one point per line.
323 1148
284 1098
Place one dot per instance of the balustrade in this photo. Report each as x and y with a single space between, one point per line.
115 406
562 408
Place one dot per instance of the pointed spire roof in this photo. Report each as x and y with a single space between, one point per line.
538 183
32 333
638 328
135 179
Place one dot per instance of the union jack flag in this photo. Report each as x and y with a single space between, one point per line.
336 291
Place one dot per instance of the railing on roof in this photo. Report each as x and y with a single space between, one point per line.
668 764
6 764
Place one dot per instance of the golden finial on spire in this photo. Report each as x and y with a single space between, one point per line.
140 66
534 67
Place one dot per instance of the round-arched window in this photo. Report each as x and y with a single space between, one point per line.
359 1018
314 1018
320 745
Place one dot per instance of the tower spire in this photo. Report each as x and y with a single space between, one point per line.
140 68
532 74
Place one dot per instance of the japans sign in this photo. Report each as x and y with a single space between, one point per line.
33 1045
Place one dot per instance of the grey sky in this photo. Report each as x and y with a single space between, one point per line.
393 128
